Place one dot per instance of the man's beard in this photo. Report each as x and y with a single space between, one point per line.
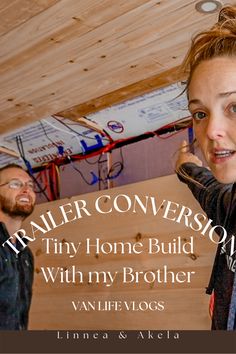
15 209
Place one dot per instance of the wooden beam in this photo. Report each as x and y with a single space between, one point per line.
166 78
4 150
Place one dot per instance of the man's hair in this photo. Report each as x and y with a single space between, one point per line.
11 165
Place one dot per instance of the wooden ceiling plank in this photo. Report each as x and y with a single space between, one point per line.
81 79
57 19
5 5
36 29
100 85
68 72
15 13
139 88
68 96
98 54
35 51
115 97
57 68
80 57
78 44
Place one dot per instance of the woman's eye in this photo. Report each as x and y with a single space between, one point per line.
199 115
233 108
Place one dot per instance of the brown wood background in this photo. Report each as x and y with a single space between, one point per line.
74 57
186 304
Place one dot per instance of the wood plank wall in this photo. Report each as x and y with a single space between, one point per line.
186 305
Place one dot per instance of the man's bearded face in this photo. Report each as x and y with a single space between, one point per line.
16 202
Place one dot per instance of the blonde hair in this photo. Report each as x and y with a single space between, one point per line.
218 41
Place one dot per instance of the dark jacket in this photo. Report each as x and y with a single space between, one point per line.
219 202
16 278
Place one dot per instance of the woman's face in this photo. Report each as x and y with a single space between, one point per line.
212 103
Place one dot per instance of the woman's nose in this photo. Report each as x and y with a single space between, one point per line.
216 128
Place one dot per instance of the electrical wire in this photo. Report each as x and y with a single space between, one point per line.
74 131
39 176
45 132
95 162
53 181
109 138
76 169
177 127
169 135
114 171
111 174
117 166
20 148
62 130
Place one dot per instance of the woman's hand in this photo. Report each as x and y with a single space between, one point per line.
186 156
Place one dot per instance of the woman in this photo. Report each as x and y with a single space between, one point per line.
211 90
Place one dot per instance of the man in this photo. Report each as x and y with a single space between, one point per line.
17 199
